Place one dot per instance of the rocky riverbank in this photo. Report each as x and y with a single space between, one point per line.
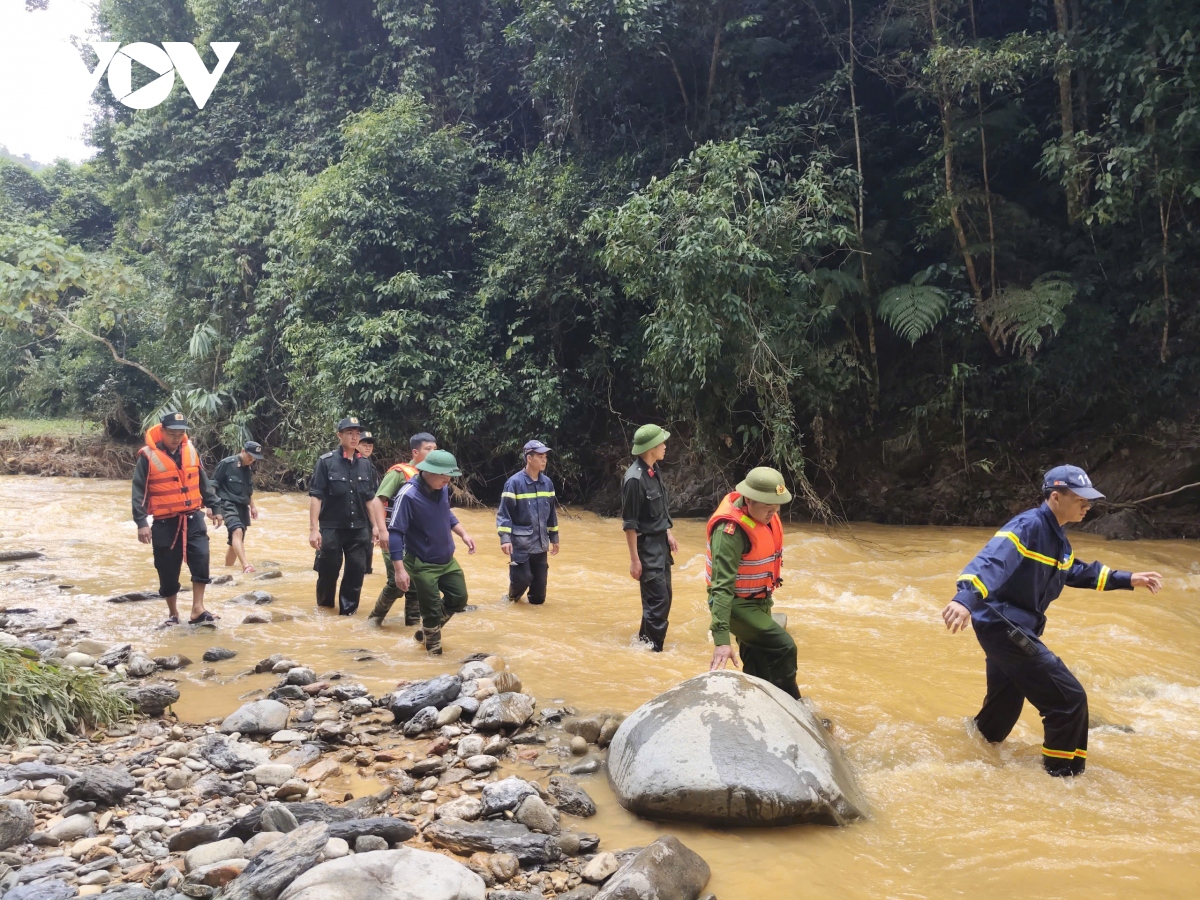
476 793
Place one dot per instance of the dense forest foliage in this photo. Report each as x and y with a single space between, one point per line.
803 231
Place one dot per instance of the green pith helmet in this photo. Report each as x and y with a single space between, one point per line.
439 462
765 485
647 437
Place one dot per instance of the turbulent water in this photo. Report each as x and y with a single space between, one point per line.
950 815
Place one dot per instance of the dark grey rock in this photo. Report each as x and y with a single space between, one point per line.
469 706
279 865
288 692
46 890
17 555
173 662
501 796
213 785
571 798
135 597
36 771
16 823
55 865
216 654
368 843
183 841
248 825
587 728
252 598
504 712
345 692
277 817
665 870
104 785
114 656
465 838
231 756
513 895
437 692
725 748
392 830
128 892
153 699
424 720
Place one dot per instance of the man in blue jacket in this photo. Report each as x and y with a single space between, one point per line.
1004 592
527 523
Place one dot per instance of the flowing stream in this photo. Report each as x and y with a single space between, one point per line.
950 815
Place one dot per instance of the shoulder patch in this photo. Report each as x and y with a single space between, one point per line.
730 528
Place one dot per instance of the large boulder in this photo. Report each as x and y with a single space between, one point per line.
16 823
504 712
270 873
438 692
402 874
257 717
725 748
665 870
105 785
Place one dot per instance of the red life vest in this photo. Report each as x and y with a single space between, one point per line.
408 470
761 568
170 489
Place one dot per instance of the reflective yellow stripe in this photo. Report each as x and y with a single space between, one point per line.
1102 581
749 522
1082 754
1038 557
552 528
1059 754
502 530
533 496
974 580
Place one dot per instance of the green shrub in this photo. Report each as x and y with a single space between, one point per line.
44 701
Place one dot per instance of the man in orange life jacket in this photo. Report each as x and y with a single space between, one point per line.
169 483
1004 592
745 560
397 476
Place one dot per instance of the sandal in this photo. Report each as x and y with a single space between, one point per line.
205 618
171 620
247 569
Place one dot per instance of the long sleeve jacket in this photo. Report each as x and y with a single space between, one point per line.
141 471
1024 568
528 515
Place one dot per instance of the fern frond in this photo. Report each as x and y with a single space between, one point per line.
1022 317
913 310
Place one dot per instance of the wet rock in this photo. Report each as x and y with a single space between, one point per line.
306 813
583 892
104 785
272 774
252 598
171 663
152 699
273 870
475 669
216 654
222 579
1122 525
190 838
665 869
506 683
600 868
504 711
388 875
287 692
578 746
362 705
392 830
501 796
344 692
587 767
481 763
535 815
424 720
466 808
268 575
611 724
514 895
115 655
726 748
587 728
16 823
300 675
54 889
257 717
470 745
468 705
437 692
135 597
465 838
449 715
217 851
571 798
140 665
231 756
17 555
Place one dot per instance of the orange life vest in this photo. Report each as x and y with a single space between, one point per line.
762 565
408 470
171 490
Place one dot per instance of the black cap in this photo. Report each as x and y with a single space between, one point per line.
366 438
350 422
254 448
175 421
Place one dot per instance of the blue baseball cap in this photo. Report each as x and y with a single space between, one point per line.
535 447
1073 479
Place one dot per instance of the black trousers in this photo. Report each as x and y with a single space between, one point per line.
1044 680
655 556
531 576
169 537
354 546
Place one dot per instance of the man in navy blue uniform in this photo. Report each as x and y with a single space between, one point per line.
527 522
1003 593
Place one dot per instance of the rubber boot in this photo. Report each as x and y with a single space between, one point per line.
433 641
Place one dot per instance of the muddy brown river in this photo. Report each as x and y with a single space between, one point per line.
950 815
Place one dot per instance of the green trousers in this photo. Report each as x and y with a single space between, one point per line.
767 650
441 589
391 593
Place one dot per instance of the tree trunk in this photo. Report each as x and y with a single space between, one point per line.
1066 110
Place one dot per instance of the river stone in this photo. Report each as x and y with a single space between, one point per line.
190 838
113 655
216 654
152 699
504 711
171 663
475 669
465 838
437 692
135 824
248 825
300 675
16 823
272 774
278 866
16 555
587 728
256 717
501 796
571 798
140 665
392 830
288 692
468 705
725 748
135 597
217 851
79 660
665 870
600 868
403 874
481 763
252 598
46 890
262 841
470 745
104 785
424 720
336 848
466 808
232 756
535 815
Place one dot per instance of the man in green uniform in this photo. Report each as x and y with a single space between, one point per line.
420 444
647 526
235 485
745 553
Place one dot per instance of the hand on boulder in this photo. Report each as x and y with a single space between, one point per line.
723 655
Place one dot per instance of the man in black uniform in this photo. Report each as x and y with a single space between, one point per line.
235 485
647 526
339 518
